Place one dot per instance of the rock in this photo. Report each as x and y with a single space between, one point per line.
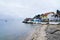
46 32
53 32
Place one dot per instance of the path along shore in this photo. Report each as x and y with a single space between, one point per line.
45 32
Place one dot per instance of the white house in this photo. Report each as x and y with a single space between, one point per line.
53 19
50 16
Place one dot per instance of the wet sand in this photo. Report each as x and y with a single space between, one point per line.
44 32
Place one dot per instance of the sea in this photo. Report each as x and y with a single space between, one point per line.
14 29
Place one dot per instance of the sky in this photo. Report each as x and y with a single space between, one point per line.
27 8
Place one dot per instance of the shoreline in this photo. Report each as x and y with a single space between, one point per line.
43 32
38 33
29 37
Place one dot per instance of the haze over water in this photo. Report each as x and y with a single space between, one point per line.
14 29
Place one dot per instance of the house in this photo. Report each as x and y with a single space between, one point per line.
55 18
27 20
36 20
45 17
50 16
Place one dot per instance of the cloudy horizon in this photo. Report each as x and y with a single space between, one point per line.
28 8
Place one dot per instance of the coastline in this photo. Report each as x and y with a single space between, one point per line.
38 33
45 32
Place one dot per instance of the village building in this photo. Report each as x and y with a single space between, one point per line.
55 17
27 20
47 16
50 16
36 20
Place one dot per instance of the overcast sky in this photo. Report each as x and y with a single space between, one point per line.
27 8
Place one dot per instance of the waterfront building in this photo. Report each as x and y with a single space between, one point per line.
36 20
46 17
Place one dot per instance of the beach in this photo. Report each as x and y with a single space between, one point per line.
45 32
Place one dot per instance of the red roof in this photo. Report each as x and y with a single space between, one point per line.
48 13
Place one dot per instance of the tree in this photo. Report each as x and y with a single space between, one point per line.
58 12
37 16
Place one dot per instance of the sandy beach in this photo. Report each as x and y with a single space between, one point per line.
45 32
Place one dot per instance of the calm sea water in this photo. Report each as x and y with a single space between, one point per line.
14 30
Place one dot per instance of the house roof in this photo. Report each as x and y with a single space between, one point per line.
48 13
28 19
